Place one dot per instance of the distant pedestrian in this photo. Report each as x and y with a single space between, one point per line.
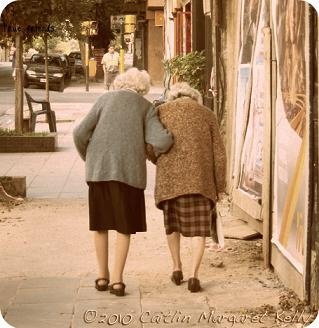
111 139
13 54
110 62
190 178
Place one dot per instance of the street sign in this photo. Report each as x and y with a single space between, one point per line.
116 22
128 21
89 28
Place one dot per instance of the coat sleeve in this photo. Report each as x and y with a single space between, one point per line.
219 156
155 133
83 132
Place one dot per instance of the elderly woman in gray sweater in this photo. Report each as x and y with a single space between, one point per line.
111 140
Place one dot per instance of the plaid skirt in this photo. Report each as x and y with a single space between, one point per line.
188 214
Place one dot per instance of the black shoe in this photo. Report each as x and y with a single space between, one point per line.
194 285
177 277
117 291
102 287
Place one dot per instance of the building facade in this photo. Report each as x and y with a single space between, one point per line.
155 39
262 61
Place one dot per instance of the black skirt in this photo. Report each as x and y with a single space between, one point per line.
116 206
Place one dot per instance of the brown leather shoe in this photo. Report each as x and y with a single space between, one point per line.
102 287
194 285
177 277
117 291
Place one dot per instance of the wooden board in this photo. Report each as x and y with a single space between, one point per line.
238 229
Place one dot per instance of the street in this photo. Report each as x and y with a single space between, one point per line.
74 92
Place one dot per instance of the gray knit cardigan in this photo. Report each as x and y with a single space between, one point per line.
111 138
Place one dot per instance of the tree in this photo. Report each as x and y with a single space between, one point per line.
38 43
26 19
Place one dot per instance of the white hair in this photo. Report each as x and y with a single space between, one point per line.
183 89
134 79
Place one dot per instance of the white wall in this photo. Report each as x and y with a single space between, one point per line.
169 30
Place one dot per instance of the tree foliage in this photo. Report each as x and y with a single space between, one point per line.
38 43
188 68
56 17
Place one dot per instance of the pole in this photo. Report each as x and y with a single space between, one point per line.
19 84
47 94
87 62
122 57
216 54
267 152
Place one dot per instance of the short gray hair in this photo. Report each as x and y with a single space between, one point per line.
183 89
134 79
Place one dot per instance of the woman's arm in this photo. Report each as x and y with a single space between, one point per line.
150 155
83 132
155 133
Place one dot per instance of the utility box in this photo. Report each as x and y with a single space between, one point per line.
130 24
92 68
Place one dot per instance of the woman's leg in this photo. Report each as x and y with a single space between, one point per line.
121 251
102 254
174 244
198 248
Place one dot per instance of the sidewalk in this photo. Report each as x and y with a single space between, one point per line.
48 264
48 268
48 271
60 174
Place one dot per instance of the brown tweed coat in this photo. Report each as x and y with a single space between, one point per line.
196 163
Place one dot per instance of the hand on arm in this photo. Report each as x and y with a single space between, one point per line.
221 196
150 153
155 133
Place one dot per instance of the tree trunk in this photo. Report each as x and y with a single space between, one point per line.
19 84
47 93
82 51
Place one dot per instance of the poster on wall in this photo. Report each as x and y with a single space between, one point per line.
291 174
249 20
251 160
248 30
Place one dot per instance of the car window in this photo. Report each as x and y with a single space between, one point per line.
39 59
54 61
75 55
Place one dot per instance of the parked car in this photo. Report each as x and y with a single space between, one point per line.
58 68
27 55
76 57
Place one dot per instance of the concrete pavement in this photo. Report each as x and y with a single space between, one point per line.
74 303
48 271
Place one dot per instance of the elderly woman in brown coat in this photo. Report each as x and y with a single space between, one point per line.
190 178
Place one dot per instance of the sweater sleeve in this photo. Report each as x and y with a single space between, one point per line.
83 132
219 154
155 133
